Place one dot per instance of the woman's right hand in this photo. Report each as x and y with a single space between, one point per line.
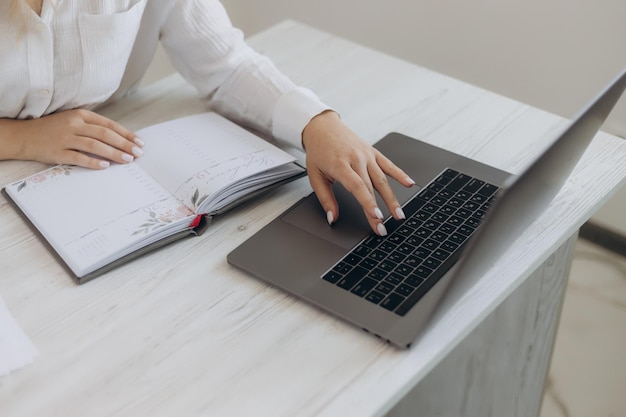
74 137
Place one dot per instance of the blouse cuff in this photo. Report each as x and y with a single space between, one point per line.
293 111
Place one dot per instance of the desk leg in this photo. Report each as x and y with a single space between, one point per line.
500 369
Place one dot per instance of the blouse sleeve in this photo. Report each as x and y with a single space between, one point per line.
238 82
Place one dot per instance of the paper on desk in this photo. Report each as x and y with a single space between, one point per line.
16 349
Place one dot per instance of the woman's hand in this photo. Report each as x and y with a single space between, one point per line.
336 153
74 137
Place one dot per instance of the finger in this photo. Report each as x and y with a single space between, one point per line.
379 178
100 149
322 187
81 159
381 184
129 150
362 190
97 119
377 224
112 133
393 170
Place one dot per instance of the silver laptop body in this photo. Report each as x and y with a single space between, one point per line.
293 251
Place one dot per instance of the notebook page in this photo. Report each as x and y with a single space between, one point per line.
195 156
89 215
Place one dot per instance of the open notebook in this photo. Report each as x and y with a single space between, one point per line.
193 168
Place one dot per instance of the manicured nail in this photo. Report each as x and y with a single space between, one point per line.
400 213
329 217
378 213
104 164
139 141
128 158
137 151
410 180
382 230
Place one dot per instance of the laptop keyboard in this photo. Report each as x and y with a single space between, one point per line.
397 270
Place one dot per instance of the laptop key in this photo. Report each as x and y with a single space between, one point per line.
385 287
413 205
488 190
466 230
413 280
352 259
377 274
439 200
396 257
352 278
413 261
435 186
403 269
449 172
368 263
378 255
392 301
387 246
431 263
387 265
394 278
441 254
455 202
447 228
444 179
444 194
458 182
362 250
342 267
473 185
405 289
430 244
423 272
375 297
427 194
332 276
449 246
362 288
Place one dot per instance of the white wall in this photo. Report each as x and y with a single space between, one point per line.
553 54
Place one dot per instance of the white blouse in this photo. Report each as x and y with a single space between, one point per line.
82 53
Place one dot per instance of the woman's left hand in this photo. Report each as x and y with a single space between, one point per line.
335 153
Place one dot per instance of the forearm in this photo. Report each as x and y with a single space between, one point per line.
11 139
239 82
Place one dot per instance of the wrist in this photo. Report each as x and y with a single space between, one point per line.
12 143
317 124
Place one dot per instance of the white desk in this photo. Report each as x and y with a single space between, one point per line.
181 333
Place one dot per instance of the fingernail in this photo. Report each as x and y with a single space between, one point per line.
139 141
137 151
329 217
382 230
378 213
410 180
400 213
104 164
128 158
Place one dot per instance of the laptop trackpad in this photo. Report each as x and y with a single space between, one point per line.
347 231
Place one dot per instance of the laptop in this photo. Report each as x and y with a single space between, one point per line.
461 217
